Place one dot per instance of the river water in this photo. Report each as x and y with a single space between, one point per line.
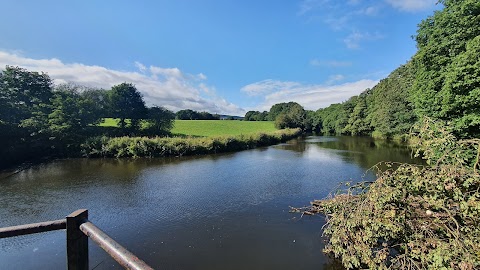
226 211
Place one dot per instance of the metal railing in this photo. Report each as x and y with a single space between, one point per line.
79 229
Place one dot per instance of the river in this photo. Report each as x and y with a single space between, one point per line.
226 211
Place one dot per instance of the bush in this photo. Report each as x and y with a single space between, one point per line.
161 147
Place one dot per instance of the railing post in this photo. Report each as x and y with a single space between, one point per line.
77 241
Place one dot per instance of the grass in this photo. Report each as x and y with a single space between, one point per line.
210 128
109 122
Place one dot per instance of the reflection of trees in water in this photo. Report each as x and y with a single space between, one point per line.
364 151
367 152
297 145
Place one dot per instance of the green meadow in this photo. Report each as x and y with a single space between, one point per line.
211 128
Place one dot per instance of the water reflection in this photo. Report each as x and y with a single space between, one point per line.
209 212
364 151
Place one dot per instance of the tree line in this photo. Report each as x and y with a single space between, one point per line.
194 115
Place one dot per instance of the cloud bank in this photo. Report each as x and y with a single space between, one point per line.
168 87
312 97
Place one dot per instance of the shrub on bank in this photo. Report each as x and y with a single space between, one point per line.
120 147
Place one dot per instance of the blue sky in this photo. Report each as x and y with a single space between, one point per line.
221 56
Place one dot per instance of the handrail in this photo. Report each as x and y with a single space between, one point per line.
124 257
33 228
78 230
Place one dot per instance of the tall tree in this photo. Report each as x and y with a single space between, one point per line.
288 115
126 103
392 113
445 41
24 97
72 113
187 115
160 120
24 108
357 124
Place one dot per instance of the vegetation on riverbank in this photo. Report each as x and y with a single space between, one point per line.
120 147
411 217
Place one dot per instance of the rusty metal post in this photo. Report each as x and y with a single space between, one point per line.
77 241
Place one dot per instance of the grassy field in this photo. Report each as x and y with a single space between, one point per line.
209 128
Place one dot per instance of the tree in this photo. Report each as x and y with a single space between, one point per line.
24 107
334 119
160 120
357 124
288 115
446 41
462 87
250 116
392 113
99 98
72 113
24 98
126 103
186 115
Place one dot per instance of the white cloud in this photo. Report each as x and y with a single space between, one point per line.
166 72
369 11
312 97
140 66
353 40
412 5
168 87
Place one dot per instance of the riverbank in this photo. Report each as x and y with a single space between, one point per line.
126 147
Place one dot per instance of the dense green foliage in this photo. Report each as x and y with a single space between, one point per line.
256 116
194 115
159 120
285 115
447 63
204 128
126 102
411 217
24 109
160 147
